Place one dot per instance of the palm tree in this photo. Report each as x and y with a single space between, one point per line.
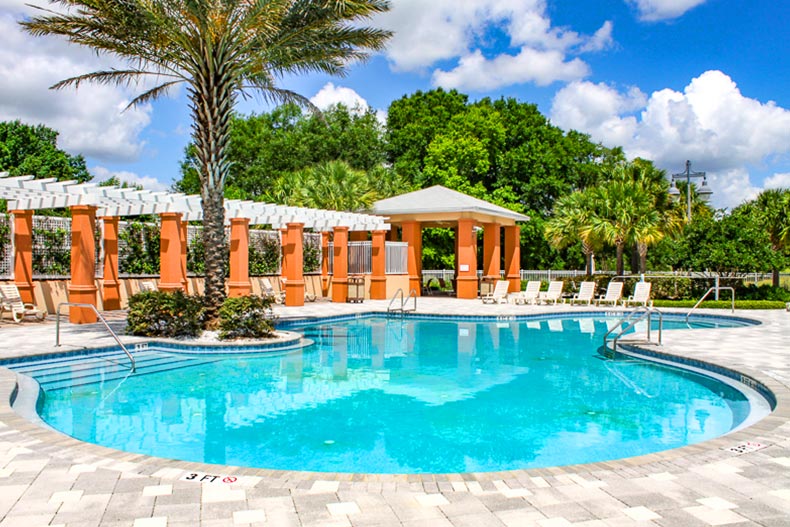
772 208
219 49
570 223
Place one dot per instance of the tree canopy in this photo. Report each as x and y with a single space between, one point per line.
33 150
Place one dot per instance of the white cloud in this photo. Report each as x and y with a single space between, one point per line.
778 180
101 173
330 95
475 72
90 120
653 10
710 123
454 30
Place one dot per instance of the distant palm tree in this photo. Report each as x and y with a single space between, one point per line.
772 209
219 49
571 222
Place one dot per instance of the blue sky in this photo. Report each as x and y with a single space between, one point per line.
670 80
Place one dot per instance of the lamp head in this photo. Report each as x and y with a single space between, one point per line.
704 190
673 190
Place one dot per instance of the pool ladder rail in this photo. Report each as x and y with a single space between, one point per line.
401 306
717 289
636 316
114 335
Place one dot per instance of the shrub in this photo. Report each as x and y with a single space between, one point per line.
722 304
160 314
246 317
763 292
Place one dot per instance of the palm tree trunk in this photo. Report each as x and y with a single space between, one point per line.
642 250
212 109
775 277
620 266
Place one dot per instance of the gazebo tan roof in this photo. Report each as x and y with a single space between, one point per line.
442 206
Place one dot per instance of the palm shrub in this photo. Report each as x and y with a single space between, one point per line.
163 314
220 49
246 317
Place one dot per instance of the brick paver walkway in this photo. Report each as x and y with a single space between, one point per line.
47 478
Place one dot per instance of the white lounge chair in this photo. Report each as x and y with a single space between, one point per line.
268 290
308 296
554 293
641 295
614 292
499 294
11 301
147 285
586 293
529 294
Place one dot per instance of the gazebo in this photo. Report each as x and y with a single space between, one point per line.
439 206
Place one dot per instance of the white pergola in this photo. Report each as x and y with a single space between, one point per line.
29 193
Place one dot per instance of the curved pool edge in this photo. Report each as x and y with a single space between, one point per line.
49 442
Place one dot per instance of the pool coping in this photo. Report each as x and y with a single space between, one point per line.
53 443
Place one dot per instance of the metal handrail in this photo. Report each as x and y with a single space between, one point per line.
394 297
403 301
103 321
646 313
709 291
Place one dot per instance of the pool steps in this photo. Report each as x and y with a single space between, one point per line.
60 373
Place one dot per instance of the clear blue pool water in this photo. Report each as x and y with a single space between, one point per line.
386 395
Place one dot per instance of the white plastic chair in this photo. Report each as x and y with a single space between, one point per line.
554 292
11 301
529 294
268 290
614 292
641 295
499 294
586 293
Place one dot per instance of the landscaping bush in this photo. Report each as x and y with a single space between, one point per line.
763 292
246 317
160 314
722 304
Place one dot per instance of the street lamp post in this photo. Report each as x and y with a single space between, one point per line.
704 190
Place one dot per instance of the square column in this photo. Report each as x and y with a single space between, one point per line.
412 234
111 287
23 253
239 279
378 277
466 283
340 265
513 257
82 288
325 256
170 279
492 255
293 262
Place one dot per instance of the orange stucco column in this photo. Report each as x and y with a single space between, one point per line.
82 288
492 255
378 275
513 257
358 236
23 253
283 243
412 234
111 287
170 279
466 283
325 256
184 235
340 265
239 279
293 256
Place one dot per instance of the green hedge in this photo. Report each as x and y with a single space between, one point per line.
246 317
160 314
722 304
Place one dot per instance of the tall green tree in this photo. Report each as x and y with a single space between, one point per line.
771 209
571 222
33 150
219 49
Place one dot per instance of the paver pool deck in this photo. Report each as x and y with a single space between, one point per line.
47 478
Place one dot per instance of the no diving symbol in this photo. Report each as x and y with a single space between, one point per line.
229 479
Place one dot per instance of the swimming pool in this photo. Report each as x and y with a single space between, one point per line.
391 395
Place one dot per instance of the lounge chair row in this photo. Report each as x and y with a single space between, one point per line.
11 301
586 294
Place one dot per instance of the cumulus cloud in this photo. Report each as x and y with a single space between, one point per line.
778 180
710 123
654 10
330 95
91 120
455 30
101 173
